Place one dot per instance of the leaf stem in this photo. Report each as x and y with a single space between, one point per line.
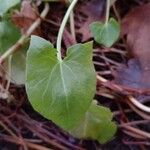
61 29
107 11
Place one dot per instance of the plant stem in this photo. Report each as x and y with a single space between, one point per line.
107 11
61 29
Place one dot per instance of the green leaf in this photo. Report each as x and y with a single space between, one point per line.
18 65
60 91
106 34
9 34
96 124
5 5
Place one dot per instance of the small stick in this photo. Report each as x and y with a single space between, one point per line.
134 135
146 135
130 98
139 112
139 105
137 143
17 141
134 123
23 38
7 129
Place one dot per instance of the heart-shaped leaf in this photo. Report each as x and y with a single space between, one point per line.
96 124
60 91
106 34
5 5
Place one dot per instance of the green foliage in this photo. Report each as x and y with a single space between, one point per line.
106 33
60 91
18 66
96 124
5 5
9 34
63 91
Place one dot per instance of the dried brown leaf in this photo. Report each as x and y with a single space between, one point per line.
136 27
25 18
88 12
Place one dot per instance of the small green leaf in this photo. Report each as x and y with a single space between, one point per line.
5 5
9 34
106 34
96 124
60 91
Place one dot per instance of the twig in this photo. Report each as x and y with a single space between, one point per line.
72 25
130 98
16 140
138 131
137 143
139 105
106 72
134 123
116 113
23 38
134 135
7 129
139 112
34 126
99 64
105 95
109 60
106 50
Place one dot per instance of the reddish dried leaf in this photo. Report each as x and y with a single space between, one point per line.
88 12
25 18
136 26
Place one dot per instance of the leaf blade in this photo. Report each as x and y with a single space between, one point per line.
7 29
5 5
61 85
96 124
105 34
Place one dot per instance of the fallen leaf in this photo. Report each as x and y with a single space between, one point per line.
88 12
25 18
136 27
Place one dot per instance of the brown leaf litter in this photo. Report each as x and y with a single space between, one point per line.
88 12
136 28
25 18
